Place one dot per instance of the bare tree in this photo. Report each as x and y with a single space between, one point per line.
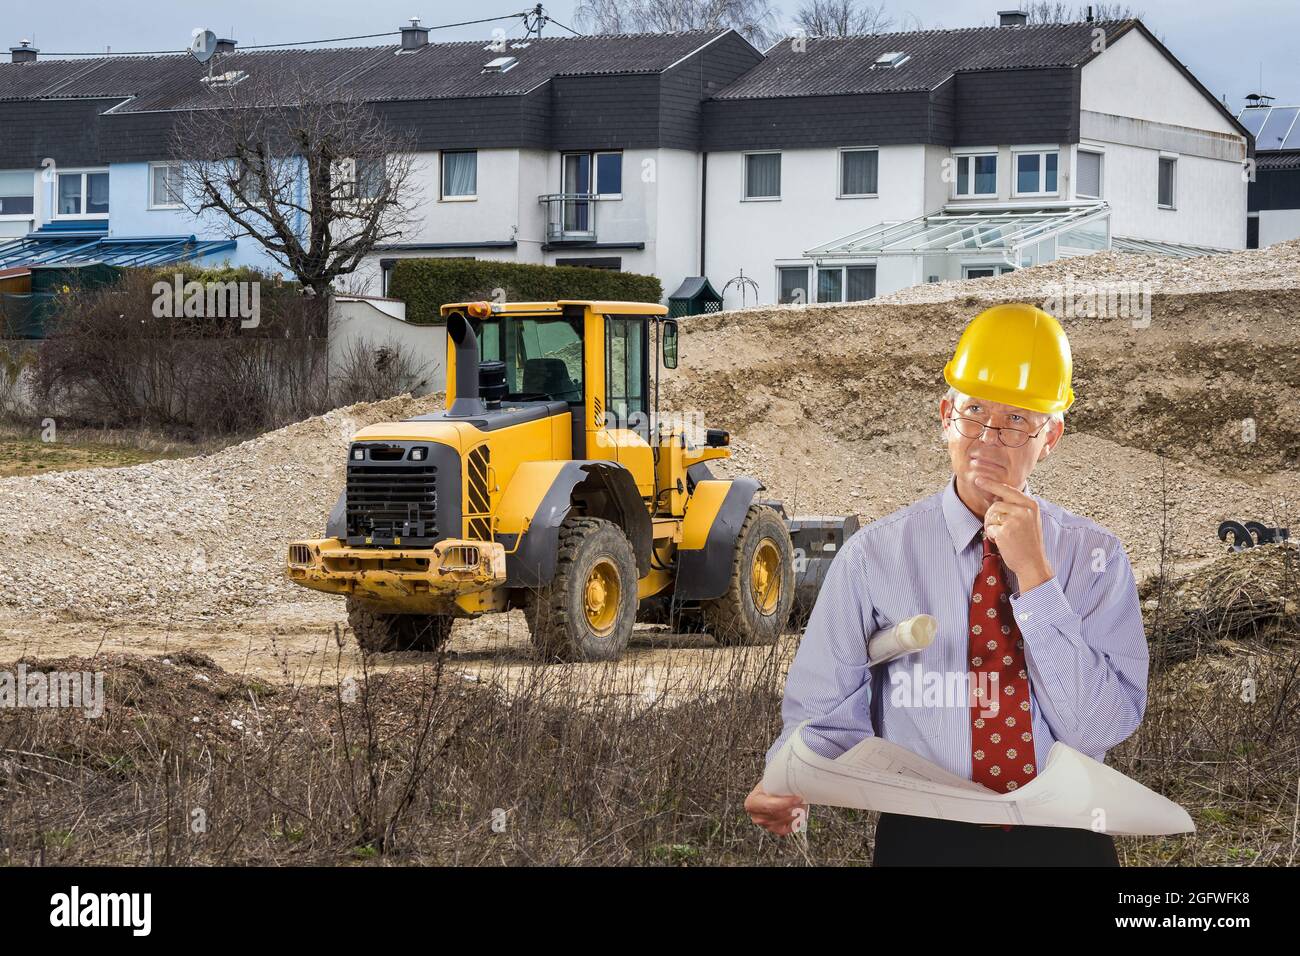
319 180
840 18
755 20
1055 11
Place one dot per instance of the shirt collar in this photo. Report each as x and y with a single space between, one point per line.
962 522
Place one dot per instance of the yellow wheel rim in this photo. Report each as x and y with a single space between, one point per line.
765 576
601 597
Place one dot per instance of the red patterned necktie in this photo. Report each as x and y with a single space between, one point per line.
1002 739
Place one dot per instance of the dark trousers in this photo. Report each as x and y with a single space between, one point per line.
903 840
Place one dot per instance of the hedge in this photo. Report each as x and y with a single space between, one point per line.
427 284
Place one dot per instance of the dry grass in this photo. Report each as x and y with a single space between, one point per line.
416 766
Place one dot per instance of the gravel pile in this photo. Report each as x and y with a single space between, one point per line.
1274 267
834 408
179 540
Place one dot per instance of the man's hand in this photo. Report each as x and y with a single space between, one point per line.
774 813
1014 525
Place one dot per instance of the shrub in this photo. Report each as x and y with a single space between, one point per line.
428 284
108 360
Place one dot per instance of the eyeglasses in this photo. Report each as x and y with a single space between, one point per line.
1011 437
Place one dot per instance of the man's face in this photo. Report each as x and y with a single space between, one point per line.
986 455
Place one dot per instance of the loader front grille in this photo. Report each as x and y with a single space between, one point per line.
392 498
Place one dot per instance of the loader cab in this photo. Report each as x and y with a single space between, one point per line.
596 357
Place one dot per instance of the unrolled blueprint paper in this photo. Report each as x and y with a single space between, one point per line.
1071 791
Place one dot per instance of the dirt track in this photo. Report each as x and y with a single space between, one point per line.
835 409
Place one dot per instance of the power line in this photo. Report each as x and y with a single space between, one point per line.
271 46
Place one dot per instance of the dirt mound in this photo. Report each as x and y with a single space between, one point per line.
193 537
1180 423
836 409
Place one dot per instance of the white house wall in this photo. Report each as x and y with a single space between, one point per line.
757 235
1137 106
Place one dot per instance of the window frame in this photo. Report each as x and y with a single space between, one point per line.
23 216
839 181
84 173
998 269
442 177
806 269
595 173
744 175
153 171
972 155
1042 152
842 268
1172 159
1101 171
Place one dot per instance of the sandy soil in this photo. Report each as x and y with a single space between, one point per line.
1188 421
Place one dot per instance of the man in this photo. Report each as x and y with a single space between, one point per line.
1037 610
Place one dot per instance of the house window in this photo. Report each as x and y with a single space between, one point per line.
846 283
17 193
576 174
794 284
609 175
985 272
370 177
762 175
83 195
859 169
1088 183
1165 189
460 174
977 175
164 185
1036 173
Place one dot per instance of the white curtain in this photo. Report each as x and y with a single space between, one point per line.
763 176
460 174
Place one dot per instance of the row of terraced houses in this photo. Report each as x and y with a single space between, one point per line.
821 169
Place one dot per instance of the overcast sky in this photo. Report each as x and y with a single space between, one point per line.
1227 44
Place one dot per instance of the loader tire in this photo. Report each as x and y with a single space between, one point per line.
756 606
587 611
379 633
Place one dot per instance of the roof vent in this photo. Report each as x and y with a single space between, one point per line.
415 36
500 64
24 52
890 60
1013 18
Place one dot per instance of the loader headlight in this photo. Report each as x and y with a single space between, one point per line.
358 454
417 454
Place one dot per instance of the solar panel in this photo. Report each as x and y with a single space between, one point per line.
1274 131
1293 137
1253 118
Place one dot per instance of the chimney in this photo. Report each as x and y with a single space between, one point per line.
24 52
414 36
226 46
1012 18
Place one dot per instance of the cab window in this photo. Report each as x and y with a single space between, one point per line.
625 349
542 354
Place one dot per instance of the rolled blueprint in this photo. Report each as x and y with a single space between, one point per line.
905 637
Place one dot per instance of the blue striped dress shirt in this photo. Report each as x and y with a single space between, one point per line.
1085 647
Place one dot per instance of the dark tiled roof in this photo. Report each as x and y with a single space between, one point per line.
836 65
439 70
1277 159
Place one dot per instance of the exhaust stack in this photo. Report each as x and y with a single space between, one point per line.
468 403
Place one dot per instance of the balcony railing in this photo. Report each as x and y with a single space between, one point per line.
570 216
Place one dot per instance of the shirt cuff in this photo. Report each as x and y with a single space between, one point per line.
1043 604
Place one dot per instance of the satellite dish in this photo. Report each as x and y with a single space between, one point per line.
203 44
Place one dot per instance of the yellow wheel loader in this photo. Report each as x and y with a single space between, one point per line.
547 484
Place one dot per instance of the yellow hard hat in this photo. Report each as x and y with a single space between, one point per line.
1015 354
